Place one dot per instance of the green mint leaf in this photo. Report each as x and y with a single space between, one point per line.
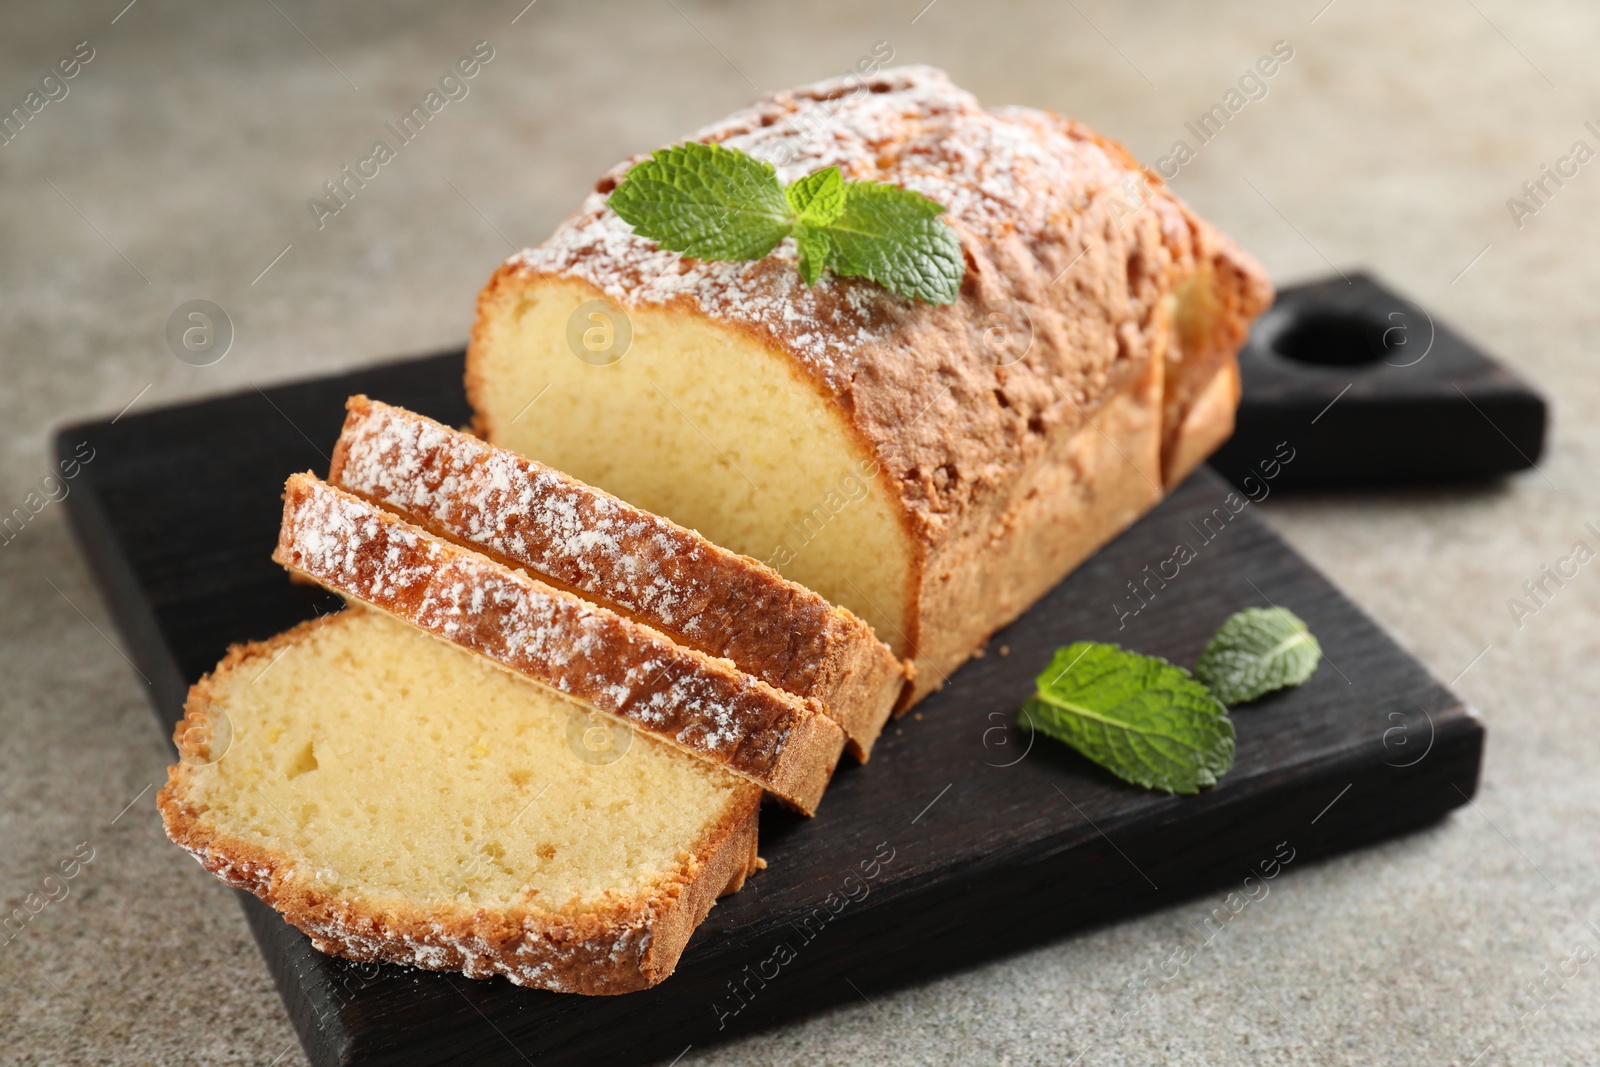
718 203
705 201
895 237
1141 718
818 198
812 244
1255 652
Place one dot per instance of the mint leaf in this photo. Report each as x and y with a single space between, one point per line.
1141 718
812 244
705 201
1256 651
712 202
818 198
895 237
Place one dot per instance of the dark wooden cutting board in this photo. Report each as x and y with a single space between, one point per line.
962 840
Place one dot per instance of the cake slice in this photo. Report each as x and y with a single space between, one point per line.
400 799
706 706
935 470
642 565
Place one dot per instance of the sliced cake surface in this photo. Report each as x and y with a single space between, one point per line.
401 799
706 706
527 515
933 469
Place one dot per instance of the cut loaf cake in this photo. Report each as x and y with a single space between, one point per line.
400 799
525 514
704 705
933 469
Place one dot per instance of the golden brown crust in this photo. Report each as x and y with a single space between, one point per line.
705 706
1093 266
1207 421
525 514
621 946
1056 512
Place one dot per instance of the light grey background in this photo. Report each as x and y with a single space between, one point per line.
181 161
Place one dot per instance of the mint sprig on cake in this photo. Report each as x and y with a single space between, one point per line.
716 203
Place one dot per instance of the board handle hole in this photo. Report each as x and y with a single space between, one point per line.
1329 338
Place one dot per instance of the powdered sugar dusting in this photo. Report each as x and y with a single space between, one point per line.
521 510
1003 174
530 515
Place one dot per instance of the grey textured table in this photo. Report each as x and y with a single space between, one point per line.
178 166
